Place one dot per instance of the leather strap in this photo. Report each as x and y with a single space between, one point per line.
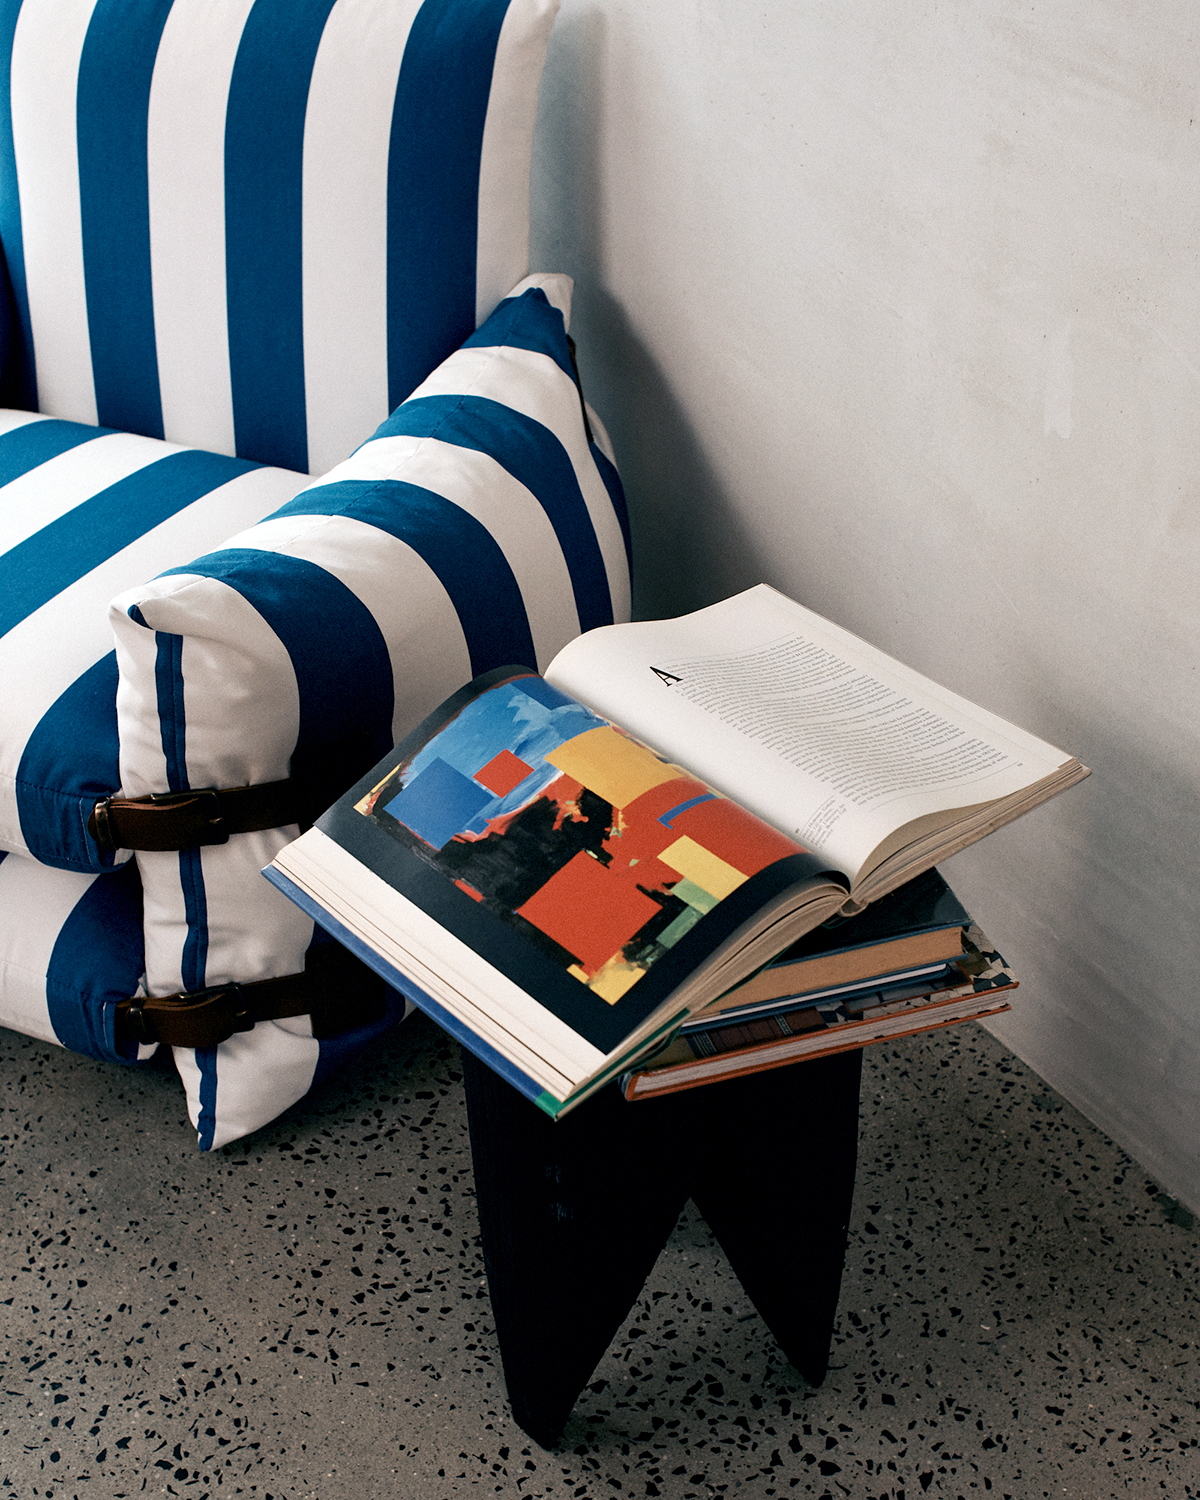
188 820
337 990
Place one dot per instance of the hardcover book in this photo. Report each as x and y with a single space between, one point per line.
975 986
563 869
910 935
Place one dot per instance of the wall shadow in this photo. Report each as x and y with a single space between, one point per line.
689 547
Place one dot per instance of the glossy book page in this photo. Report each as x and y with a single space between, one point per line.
594 874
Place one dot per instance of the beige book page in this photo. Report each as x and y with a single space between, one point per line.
828 739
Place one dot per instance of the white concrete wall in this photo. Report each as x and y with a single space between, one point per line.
894 305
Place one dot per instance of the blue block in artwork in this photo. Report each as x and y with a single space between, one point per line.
439 803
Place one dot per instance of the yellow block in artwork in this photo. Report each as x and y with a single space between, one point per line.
615 768
614 979
707 870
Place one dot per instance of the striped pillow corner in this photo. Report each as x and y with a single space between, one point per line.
70 948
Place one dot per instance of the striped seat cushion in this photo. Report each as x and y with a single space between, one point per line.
84 513
254 226
479 526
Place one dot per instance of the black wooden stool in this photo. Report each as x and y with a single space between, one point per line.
573 1213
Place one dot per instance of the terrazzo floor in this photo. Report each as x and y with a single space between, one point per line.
303 1316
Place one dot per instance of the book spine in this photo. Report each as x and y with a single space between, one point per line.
784 1051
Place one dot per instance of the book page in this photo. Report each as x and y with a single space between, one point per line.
598 878
832 741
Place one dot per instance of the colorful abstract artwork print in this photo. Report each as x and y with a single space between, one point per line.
597 849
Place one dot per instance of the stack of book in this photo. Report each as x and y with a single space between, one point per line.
912 962
639 850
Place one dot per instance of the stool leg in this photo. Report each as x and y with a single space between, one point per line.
572 1215
776 1154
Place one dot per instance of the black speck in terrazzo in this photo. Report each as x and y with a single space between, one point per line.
303 1316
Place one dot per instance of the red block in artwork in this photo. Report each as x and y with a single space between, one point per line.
589 910
502 773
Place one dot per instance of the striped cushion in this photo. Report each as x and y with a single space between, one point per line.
477 527
84 513
70 948
255 225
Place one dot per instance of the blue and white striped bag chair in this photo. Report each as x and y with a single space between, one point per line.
238 233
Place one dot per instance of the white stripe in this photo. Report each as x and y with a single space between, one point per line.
52 647
36 901
242 707
414 613
254 931
164 923
502 252
43 494
481 486
600 435
259 1074
347 131
11 421
45 68
536 386
186 170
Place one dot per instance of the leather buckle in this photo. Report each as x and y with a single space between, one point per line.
134 1022
207 805
99 826
196 1018
207 1004
206 817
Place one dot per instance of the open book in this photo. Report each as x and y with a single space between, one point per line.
562 869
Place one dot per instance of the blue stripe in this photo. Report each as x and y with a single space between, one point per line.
680 808
24 448
343 695
40 567
264 145
527 322
70 761
532 454
97 959
461 551
206 1123
172 728
18 381
10 341
616 493
112 103
433 184
172 721
194 957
